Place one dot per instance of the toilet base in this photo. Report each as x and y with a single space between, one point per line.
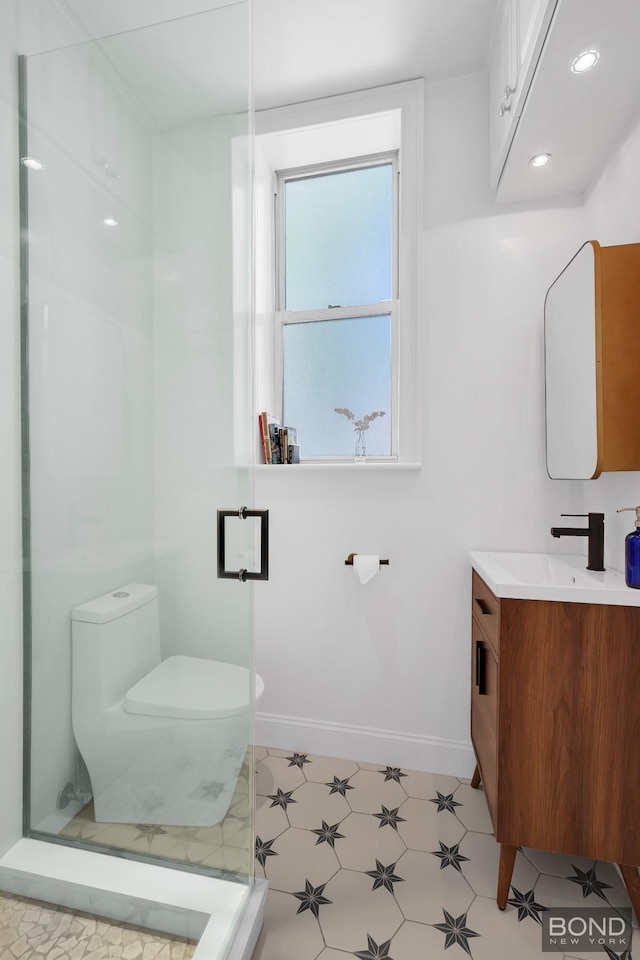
179 779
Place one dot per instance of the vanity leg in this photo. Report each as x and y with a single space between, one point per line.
632 879
475 779
505 872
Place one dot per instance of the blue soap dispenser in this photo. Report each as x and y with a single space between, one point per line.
632 552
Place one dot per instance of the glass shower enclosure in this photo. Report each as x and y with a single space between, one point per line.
138 427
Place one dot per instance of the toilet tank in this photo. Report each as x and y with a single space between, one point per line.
115 641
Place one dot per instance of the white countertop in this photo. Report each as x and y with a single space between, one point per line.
547 576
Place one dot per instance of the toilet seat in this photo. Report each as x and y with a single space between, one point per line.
191 688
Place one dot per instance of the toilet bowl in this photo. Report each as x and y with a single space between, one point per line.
163 740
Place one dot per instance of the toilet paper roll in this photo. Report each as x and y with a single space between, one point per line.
366 565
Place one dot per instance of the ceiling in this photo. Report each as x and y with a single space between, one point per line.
578 120
186 68
305 49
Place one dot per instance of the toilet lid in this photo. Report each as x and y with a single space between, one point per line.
193 689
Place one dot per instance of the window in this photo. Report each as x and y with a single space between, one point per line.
338 194
337 300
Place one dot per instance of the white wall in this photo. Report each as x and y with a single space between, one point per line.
613 216
393 656
10 549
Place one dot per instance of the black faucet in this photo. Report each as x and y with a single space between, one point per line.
595 532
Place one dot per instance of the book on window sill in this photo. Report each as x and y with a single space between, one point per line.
269 426
274 442
279 444
290 451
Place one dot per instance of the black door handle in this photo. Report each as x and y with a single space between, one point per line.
480 668
243 575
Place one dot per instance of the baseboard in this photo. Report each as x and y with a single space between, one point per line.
433 754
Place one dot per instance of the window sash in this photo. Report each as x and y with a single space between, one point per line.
322 169
382 308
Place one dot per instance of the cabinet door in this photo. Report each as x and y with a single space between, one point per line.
484 712
531 18
503 78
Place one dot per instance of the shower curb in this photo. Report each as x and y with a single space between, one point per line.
152 897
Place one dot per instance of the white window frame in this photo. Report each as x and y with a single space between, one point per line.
340 129
380 308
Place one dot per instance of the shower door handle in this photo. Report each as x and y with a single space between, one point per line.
243 513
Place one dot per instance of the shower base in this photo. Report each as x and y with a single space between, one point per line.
222 915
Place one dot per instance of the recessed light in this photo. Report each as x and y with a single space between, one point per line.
585 61
32 163
110 222
540 159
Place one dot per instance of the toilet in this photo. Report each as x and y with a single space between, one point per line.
163 740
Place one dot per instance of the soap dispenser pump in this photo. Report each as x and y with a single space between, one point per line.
632 552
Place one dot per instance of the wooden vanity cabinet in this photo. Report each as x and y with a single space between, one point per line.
555 725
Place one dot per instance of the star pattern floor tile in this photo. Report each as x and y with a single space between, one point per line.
382 863
363 860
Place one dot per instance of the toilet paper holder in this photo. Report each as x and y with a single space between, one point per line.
349 561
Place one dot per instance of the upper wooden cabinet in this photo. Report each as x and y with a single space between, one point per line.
578 119
592 344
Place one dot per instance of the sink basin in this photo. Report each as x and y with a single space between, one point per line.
549 576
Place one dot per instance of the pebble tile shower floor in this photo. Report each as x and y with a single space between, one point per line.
30 930
363 860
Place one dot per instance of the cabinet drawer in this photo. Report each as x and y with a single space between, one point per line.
484 713
486 608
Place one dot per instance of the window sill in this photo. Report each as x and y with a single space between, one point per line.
366 466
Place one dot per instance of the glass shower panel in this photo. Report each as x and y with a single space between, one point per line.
138 416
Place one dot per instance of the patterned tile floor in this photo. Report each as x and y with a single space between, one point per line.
30 930
388 864
363 861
